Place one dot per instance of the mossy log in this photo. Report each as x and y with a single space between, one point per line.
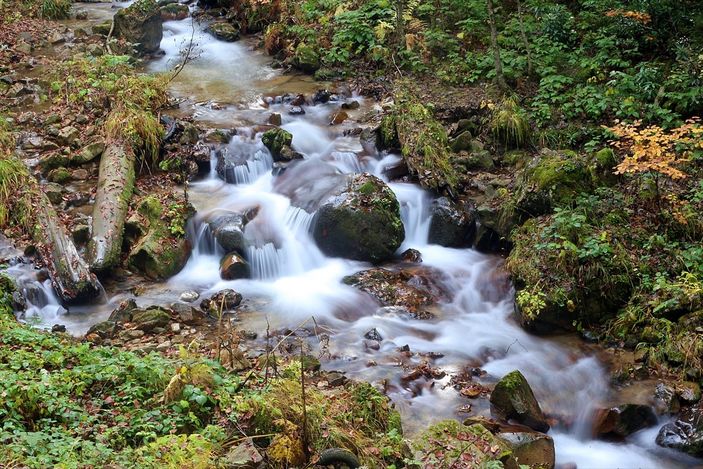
115 187
70 275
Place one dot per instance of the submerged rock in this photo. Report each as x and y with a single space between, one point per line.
233 267
361 220
623 420
513 399
410 289
224 31
452 225
140 24
225 300
228 230
685 434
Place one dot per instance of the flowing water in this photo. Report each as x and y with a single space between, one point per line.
293 281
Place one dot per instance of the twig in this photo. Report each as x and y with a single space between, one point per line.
109 36
189 49
396 66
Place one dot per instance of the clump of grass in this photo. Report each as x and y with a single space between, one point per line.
140 130
510 124
55 9
15 198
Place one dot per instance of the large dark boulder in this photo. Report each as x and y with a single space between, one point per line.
513 399
233 267
452 225
360 221
140 24
623 420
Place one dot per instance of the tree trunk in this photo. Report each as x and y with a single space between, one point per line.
525 42
70 275
115 187
498 64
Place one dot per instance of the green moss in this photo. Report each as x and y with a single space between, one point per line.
449 440
424 141
306 58
276 140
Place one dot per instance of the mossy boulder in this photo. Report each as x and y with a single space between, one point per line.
103 28
174 12
149 319
88 153
551 178
140 24
224 31
361 221
162 249
452 224
306 58
532 449
468 446
59 175
276 140
571 267
513 399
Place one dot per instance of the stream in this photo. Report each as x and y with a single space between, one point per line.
292 281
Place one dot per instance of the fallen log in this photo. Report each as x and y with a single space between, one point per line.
33 213
70 276
115 187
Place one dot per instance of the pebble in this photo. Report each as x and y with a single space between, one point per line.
175 327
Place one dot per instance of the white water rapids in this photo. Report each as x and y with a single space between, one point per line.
293 281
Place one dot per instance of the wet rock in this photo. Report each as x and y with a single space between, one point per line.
158 253
103 28
688 392
189 296
228 230
296 111
513 399
360 220
305 58
685 434
68 135
189 134
123 312
336 379
58 328
665 399
275 119
224 31
452 225
81 234
299 100
339 117
149 319
54 192
351 105
233 267
321 97
276 140
102 330
411 255
396 170
623 420
225 300
80 174
411 289
88 153
59 176
373 334
187 314
140 24
174 12
243 456
531 448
